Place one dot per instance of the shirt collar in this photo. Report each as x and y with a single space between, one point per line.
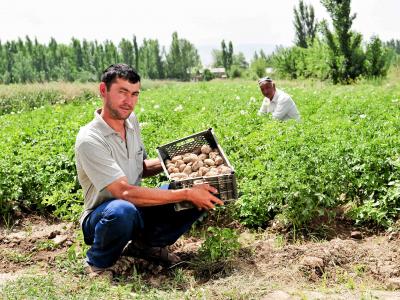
104 127
276 95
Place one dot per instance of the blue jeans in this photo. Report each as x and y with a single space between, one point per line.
116 222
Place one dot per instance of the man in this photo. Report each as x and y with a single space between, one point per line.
276 102
111 161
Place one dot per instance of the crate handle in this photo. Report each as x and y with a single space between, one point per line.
182 143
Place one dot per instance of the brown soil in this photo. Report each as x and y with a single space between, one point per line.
267 264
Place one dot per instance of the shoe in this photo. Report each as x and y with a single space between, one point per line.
156 254
96 272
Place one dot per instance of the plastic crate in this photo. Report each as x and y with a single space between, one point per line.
224 183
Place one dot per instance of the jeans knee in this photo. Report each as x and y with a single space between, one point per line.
124 214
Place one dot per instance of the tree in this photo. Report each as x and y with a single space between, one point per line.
190 57
224 53
217 58
347 57
151 64
181 58
394 44
174 56
127 54
304 24
230 55
136 50
78 54
377 59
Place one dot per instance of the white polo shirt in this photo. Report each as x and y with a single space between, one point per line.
282 107
102 157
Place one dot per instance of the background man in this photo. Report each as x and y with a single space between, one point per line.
276 102
111 161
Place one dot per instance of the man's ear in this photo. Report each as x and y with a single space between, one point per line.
103 89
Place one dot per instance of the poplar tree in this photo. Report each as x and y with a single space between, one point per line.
305 24
347 56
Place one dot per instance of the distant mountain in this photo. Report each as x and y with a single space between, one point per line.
247 49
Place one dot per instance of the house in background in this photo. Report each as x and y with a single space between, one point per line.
216 73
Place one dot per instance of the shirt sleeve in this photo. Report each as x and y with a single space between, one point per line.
98 164
283 107
264 107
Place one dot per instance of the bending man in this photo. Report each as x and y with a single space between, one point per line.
276 102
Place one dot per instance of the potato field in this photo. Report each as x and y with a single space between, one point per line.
342 156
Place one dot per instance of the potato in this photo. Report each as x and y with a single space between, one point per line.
186 159
213 155
190 158
176 158
182 167
179 176
203 156
197 165
209 162
224 170
171 169
175 170
187 170
213 170
218 160
179 162
197 151
169 165
205 149
194 174
209 173
168 161
203 170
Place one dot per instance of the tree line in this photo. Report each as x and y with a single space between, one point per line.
28 60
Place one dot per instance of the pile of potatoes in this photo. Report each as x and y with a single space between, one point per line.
202 162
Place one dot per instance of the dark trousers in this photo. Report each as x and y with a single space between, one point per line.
116 222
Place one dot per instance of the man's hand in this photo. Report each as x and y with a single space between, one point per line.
200 195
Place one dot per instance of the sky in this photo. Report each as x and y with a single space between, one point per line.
250 25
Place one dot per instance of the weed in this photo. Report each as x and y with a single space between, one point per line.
46 245
280 241
180 280
217 252
16 256
360 269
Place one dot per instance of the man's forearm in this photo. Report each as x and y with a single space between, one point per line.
142 196
151 167
200 195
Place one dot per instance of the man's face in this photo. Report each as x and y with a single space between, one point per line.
120 100
268 90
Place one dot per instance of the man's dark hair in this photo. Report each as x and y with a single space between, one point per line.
115 71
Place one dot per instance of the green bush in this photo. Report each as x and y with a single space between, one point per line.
207 76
